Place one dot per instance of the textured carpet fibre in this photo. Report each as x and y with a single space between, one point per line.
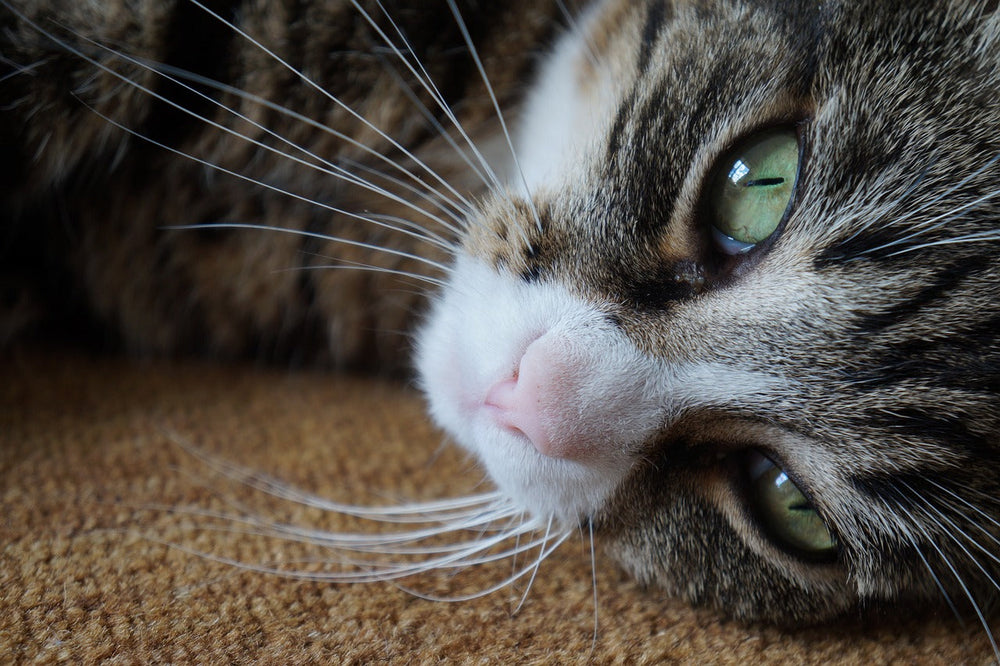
94 567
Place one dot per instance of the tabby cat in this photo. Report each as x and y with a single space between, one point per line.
716 278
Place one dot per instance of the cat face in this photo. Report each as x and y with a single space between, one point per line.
738 307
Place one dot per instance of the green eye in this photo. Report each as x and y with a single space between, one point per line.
752 188
784 512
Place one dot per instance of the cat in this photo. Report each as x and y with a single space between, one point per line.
715 279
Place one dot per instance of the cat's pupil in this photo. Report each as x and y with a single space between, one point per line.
784 513
764 182
751 189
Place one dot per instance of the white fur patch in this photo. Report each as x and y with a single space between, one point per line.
611 403
559 121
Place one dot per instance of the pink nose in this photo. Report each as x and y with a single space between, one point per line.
534 400
515 407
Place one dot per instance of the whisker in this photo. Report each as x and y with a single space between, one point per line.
885 209
427 83
937 221
493 588
453 523
951 534
935 578
496 107
333 98
404 223
376 556
450 556
951 190
436 125
992 537
449 207
593 582
461 558
966 502
375 543
284 491
310 234
979 237
534 572
333 170
576 29
18 69
384 543
958 578
344 264
244 177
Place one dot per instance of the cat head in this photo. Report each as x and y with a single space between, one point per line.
739 306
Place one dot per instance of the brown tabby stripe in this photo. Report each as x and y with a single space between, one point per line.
199 44
950 431
945 281
655 19
960 361
625 110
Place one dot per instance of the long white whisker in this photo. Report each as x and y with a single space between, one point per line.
333 98
381 543
456 514
534 572
936 222
18 69
332 170
450 556
480 529
344 264
427 83
966 502
979 237
457 560
452 209
458 522
243 176
952 189
955 529
496 107
934 577
374 575
957 576
283 491
576 29
394 543
593 582
310 234
328 168
439 128
498 586
404 223
989 535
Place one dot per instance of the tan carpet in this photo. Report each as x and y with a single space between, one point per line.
86 445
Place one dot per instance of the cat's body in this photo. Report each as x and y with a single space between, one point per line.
611 347
122 190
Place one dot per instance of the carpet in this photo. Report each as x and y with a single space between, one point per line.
112 550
